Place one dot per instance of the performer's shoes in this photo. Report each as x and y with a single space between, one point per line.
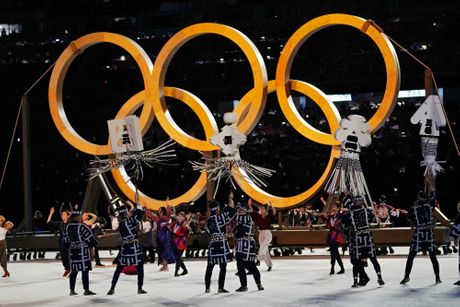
380 281
66 273
72 293
363 281
259 287
222 291
7 274
438 280
392 251
242 289
269 269
141 291
332 271
207 290
405 280
355 284
89 292
111 292
176 274
342 270
184 272
457 283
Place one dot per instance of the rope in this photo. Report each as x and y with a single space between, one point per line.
16 123
451 131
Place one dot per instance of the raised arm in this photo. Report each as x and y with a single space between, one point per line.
50 215
273 208
92 218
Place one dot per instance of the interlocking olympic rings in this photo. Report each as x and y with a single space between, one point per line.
249 109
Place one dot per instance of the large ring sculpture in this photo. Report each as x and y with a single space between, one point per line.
249 109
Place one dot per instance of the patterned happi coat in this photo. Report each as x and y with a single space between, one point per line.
244 236
356 223
455 234
131 250
219 249
81 240
421 216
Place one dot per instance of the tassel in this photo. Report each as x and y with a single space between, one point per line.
347 175
429 152
134 161
221 168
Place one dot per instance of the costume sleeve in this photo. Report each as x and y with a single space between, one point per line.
228 214
455 231
87 235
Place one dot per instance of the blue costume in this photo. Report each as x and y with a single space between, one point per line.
421 216
130 251
246 249
80 241
357 224
455 234
219 250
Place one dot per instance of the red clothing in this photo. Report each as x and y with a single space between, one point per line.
180 232
335 235
263 223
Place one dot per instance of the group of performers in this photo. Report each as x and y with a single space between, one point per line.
351 218
348 218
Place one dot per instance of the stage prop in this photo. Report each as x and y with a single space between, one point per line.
248 110
229 141
347 176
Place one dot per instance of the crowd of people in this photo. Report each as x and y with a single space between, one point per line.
348 219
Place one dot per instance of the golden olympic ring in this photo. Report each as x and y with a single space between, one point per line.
57 83
289 51
248 110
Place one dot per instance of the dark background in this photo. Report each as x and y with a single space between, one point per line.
337 60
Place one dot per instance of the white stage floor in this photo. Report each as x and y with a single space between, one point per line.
293 282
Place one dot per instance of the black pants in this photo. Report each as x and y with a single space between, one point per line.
96 255
84 279
358 267
335 255
179 262
151 253
410 262
65 258
140 275
251 267
222 273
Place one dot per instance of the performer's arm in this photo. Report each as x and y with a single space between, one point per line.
273 208
92 220
50 215
251 209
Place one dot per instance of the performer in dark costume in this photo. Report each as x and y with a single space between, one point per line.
455 234
245 248
81 240
356 224
335 237
63 239
218 250
179 229
421 216
131 251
